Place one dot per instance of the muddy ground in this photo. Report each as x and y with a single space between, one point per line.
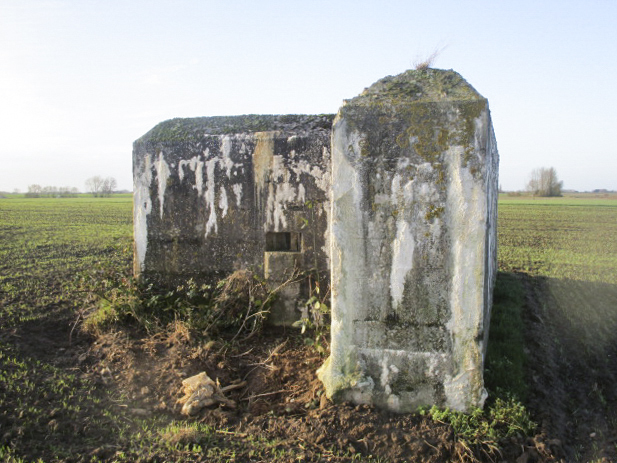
572 394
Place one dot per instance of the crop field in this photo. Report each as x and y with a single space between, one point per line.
566 238
570 245
47 242
71 394
566 252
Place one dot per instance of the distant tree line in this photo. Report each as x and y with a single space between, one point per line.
101 187
38 191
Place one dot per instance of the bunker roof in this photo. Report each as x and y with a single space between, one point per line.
421 86
184 129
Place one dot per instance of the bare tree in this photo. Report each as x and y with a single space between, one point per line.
95 185
544 182
34 191
109 186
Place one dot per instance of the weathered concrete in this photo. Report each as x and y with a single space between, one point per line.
404 215
218 194
413 243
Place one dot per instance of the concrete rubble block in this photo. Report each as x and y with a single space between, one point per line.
201 391
280 271
413 243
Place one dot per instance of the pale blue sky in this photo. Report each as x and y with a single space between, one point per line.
80 80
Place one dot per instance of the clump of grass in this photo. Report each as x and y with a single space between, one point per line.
426 63
504 418
483 430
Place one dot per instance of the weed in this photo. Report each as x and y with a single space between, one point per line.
485 429
315 323
426 63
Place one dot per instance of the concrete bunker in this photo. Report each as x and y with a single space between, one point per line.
218 194
397 198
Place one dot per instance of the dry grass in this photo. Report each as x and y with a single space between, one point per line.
426 63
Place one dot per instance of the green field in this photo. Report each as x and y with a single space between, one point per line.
46 243
557 254
570 238
570 246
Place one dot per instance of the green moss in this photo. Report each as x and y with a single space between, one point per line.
182 130
433 212
339 380
421 112
470 111
441 175
425 85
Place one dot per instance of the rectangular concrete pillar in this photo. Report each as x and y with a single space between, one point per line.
413 243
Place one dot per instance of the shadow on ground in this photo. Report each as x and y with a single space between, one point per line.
571 344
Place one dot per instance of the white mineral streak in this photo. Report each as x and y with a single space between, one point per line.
141 210
273 176
320 176
199 175
237 189
262 162
223 201
226 162
404 244
197 166
279 196
402 260
466 222
278 172
323 181
162 175
181 165
210 194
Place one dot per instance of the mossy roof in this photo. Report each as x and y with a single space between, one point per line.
421 86
187 128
